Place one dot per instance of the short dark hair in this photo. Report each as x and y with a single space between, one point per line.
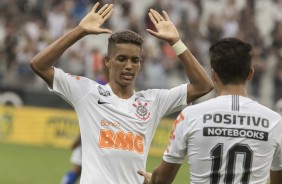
124 37
230 58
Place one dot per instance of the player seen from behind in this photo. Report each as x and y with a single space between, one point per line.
228 139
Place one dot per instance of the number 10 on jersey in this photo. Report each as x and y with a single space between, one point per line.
216 155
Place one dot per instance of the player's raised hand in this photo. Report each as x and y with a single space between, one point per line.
147 176
166 30
93 21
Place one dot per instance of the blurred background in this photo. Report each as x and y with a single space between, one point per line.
31 115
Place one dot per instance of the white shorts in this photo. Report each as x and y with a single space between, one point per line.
76 156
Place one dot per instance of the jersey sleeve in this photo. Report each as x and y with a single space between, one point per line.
277 158
172 100
177 147
70 87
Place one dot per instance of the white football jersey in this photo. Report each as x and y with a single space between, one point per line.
116 133
229 139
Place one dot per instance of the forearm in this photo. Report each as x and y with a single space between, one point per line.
199 79
275 177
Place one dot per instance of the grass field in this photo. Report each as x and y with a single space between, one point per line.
45 165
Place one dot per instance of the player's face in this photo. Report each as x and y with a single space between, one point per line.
124 63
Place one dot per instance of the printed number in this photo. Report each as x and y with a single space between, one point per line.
216 155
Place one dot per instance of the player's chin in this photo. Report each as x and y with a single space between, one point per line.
127 82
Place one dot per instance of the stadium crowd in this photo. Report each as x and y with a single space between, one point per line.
28 26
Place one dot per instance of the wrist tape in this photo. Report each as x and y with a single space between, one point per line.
179 47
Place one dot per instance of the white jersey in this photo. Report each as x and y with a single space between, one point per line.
116 133
229 139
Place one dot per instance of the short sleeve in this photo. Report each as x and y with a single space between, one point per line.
177 147
70 87
172 100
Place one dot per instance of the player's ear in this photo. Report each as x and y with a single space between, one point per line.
107 61
214 75
251 74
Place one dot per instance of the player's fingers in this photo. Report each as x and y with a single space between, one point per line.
108 15
166 16
141 173
156 17
152 18
109 8
102 9
105 31
152 32
95 7
159 15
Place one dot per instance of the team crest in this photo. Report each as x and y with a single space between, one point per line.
141 110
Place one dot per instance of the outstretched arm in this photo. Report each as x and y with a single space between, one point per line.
200 83
91 24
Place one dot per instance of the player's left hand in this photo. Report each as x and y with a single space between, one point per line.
147 176
166 30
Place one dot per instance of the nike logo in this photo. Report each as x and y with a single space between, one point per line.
100 102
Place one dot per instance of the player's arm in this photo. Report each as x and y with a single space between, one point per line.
43 62
200 83
163 174
275 177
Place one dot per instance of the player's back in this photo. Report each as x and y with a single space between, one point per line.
231 139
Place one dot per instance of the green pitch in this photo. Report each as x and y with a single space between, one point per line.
44 165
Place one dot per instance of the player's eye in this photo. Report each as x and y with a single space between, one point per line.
136 60
122 59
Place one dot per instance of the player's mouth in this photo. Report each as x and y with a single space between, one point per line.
128 76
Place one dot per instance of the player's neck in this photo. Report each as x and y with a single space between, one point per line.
232 90
124 92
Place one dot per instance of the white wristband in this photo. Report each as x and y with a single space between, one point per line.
179 47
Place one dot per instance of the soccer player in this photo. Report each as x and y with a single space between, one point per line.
76 160
117 123
227 139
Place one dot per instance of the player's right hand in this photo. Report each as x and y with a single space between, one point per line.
93 21
147 176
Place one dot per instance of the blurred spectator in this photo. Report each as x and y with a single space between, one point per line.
278 78
260 66
214 28
277 50
11 41
57 19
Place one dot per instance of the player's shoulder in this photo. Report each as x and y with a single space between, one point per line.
265 111
200 108
78 78
156 92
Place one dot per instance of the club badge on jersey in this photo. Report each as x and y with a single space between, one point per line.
141 110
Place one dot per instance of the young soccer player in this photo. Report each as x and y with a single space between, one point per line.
117 123
230 138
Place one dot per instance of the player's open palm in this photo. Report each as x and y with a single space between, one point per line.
166 30
93 21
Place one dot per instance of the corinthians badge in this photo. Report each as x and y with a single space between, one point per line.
141 110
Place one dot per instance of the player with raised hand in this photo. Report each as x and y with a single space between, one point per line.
117 124
228 139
